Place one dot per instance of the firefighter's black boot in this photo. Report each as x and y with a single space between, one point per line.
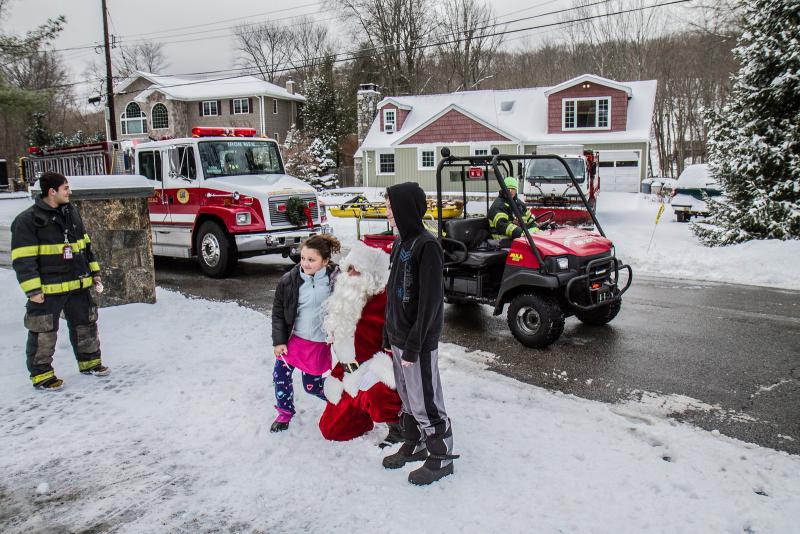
97 370
395 435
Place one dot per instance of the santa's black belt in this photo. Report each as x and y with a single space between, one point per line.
350 367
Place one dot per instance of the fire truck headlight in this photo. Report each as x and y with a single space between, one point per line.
243 218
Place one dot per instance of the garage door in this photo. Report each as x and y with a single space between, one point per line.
620 170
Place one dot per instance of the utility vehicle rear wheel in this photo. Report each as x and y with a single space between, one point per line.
600 316
536 320
216 253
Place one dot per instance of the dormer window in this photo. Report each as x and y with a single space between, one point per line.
586 113
389 120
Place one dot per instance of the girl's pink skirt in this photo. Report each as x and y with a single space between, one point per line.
311 357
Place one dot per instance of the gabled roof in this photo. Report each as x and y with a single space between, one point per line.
526 120
466 113
390 100
184 88
592 79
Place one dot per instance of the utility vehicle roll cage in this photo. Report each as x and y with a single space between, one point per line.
495 160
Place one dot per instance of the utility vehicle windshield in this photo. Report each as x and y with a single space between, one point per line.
552 171
239 156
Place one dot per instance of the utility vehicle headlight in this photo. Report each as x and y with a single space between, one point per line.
563 263
243 218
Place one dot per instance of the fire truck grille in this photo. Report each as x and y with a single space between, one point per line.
278 217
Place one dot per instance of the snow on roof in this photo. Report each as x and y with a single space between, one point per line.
526 120
589 78
184 88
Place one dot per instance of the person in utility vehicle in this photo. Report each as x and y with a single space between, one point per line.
501 216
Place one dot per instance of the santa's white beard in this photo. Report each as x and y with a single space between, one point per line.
343 310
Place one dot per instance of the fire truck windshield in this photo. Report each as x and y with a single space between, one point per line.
552 171
235 157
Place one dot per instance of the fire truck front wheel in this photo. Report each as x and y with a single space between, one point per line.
215 251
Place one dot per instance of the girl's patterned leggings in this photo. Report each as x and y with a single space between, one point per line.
284 392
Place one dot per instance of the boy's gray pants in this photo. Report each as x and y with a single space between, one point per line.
420 391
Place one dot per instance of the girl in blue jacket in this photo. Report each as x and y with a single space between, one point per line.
297 333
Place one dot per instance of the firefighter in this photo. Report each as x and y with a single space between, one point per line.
52 256
501 217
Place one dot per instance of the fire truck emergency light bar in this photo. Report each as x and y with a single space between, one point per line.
209 131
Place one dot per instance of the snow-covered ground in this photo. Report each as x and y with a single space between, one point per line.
628 219
177 439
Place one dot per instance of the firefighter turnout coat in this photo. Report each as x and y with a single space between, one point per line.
51 252
502 221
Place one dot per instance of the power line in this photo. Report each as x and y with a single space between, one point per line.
351 55
166 30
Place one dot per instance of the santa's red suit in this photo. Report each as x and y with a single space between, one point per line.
364 393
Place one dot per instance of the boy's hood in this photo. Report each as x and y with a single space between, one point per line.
408 206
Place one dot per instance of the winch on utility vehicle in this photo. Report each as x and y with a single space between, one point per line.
542 277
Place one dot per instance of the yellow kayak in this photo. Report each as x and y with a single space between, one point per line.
376 210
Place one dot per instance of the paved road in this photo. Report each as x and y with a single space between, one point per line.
736 349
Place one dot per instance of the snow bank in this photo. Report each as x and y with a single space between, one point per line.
177 439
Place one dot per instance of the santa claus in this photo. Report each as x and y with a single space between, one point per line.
361 388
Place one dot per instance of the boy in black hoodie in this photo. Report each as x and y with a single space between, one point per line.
414 317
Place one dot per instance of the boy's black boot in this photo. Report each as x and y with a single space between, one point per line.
413 448
440 459
395 435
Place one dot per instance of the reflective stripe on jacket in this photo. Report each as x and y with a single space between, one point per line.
39 236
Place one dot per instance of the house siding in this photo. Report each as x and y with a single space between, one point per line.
619 107
454 126
401 115
405 160
185 115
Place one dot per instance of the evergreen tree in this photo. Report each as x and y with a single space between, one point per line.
754 142
37 133
309 159
324 116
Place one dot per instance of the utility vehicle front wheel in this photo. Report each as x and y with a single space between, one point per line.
536 320
216 254
600 316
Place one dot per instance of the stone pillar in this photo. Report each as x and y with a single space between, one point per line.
366 108
114 211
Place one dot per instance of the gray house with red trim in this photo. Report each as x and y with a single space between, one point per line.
403 140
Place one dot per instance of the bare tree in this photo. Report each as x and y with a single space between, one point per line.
395 32
468 48
146 56
267 47
310 45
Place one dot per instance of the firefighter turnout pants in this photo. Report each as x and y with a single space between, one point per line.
41 320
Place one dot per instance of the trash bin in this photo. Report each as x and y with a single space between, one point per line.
646 186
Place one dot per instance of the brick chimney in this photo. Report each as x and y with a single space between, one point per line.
290 86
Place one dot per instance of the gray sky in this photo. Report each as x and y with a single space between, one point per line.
209 47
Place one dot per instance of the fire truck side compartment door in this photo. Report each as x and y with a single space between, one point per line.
182 189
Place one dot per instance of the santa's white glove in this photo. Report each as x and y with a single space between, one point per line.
333 388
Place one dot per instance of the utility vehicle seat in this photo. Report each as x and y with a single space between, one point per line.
474 233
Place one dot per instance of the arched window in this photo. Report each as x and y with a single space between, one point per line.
134 121
160 117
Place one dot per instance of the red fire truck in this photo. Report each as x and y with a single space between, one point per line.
223 194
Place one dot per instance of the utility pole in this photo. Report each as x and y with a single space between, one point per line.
112 116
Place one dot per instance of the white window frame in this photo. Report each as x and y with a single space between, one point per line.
216 108
274 106
386 120
473 150
378 162
244 106
596 100
420 151
124 120
153 116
